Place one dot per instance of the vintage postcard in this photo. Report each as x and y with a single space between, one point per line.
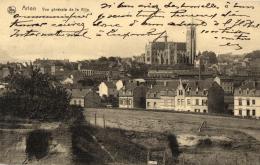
130 82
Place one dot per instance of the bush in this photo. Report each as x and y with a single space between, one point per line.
37 144
174 146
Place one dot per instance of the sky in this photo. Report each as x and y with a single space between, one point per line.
81 48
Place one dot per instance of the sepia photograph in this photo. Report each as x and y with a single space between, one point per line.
129 82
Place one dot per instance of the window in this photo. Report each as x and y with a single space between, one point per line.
130 102
204 92
253 112
75 102
165 103
188 101
197 101
79 102
148 104
154 104
240 102
121 101
253 102
179 101
182 101
204 102
197 110
247 102
247 112
240 112
204 111
180 92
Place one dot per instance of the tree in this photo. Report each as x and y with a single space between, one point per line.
216 99
209 57
112 59
102 59
137 71
36 96
253 55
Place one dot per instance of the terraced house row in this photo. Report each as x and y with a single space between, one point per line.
188 96
184 95
199 96
178 95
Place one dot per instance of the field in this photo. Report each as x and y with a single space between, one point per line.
125 137
222 140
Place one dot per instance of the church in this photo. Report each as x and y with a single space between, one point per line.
171 53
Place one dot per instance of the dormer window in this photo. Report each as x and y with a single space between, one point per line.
204 92
240 92
180 92
247 91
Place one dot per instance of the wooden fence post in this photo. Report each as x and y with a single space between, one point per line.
95 119
164 157
148 156
104 121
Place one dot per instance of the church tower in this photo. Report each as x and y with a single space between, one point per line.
191 44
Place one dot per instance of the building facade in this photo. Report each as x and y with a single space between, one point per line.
78 96
108 89
161 97
247 100
132 96
179 95
171 53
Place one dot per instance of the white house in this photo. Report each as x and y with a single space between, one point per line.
119 85
108 89
247 100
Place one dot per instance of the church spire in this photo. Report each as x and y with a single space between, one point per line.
191 43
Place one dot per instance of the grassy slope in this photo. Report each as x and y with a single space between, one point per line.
173 122
244 148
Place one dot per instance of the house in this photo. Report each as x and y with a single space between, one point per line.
192 96
78 96
226 83
3 88
4 72
247 100
162 96
119 84
99 71
87 98
179 95
92 100
132 95
108 88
